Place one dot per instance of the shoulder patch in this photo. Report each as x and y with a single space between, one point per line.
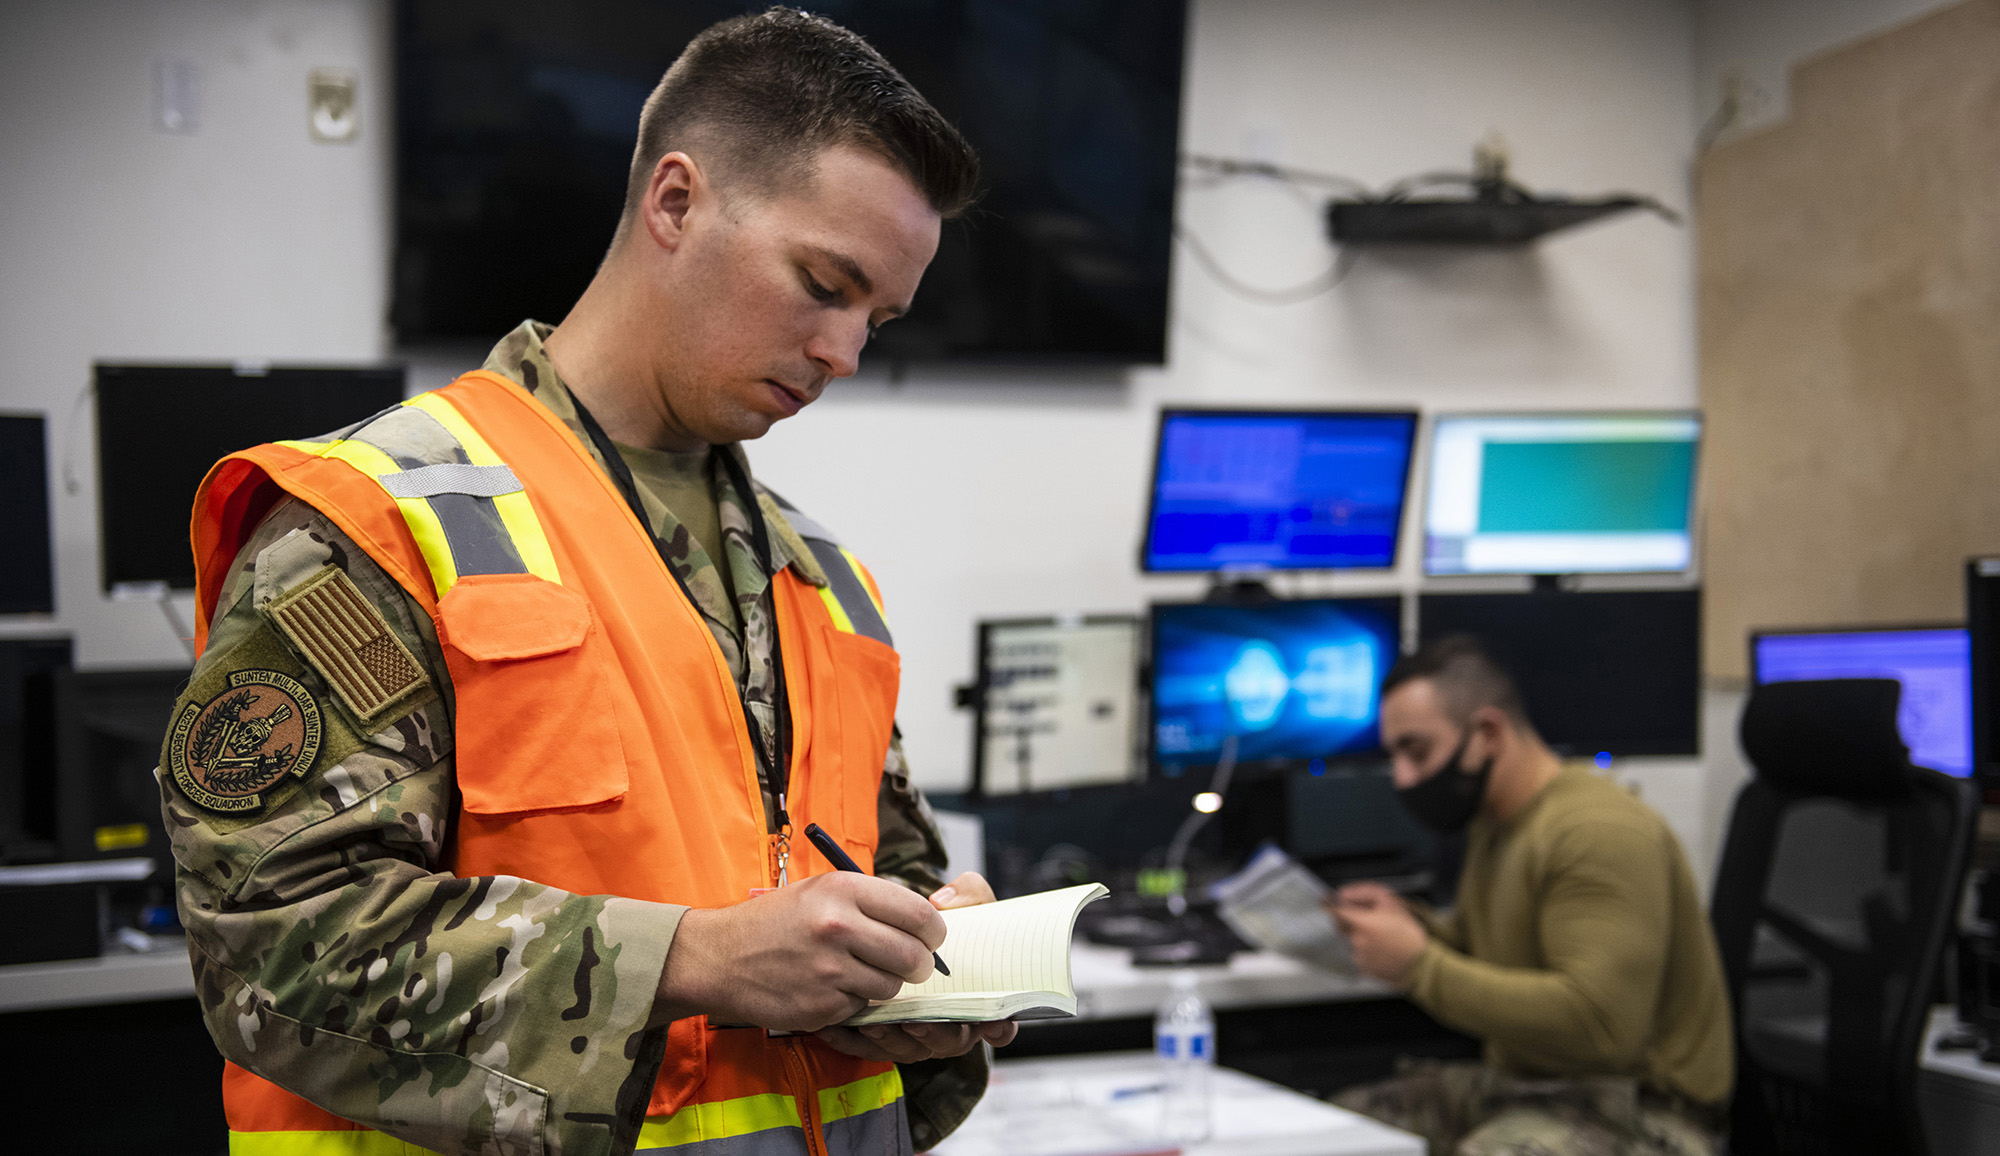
262 728
337 630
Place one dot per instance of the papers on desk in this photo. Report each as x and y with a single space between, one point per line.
1276 904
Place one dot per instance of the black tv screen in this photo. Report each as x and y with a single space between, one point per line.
27 575
160 428
1606 673
516 121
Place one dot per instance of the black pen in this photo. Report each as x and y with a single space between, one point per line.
839 859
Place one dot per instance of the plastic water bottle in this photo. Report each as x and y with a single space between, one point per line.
1184 1044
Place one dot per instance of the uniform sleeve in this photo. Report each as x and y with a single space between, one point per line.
939 1094
1603 924
333 954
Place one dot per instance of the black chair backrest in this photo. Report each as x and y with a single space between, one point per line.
1839 880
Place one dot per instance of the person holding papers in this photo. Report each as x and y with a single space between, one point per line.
1579 950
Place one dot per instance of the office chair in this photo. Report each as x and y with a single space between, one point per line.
1839 881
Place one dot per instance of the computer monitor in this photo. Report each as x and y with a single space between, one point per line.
1606 673
1277 489
1058 704
1297 682
29 740
1934 664
27 570
1560 493
161 427
1982 621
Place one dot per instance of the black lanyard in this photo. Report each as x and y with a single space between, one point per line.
777 773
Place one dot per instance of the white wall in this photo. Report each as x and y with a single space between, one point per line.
241 239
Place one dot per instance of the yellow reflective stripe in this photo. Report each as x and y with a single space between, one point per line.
861 576
719 1119
840 619
516 512
863 1095
345 1143
423 521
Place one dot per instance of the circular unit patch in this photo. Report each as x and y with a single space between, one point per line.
227 752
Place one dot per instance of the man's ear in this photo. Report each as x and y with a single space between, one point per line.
1494 731
676 181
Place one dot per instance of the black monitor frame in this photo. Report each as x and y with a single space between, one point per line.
1982 624
982 683
130 540
1423 529
31 547
1374 756
1159 451
1687 740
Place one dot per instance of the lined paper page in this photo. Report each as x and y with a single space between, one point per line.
1013 945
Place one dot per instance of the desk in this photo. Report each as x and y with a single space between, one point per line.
1109 987
1957 1092
121 978
1060 1106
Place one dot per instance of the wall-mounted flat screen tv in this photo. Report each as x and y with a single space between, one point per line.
515 121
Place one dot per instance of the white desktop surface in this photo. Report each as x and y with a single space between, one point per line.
117 978
1109 987
1052 1107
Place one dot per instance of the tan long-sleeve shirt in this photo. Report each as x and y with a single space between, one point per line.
1579 946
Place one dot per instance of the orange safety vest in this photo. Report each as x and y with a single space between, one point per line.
571 646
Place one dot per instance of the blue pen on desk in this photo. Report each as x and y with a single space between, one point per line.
839 859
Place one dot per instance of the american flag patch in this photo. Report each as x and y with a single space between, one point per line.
346 640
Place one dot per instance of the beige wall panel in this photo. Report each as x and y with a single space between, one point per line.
1849 312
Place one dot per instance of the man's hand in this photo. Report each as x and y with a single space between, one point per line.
804 956
910 1043
1385 937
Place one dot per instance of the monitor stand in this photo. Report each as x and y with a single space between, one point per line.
1554 583
1238 592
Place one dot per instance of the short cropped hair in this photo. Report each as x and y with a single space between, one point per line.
756 98
1467 677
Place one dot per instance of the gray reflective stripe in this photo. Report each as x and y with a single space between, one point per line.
847 587
479 540
452 478
473 529
806 527
784 1141
881 1132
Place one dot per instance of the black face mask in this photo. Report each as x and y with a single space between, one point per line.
1449 799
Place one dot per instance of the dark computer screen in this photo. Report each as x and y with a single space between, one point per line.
515 121
1295 681
1605 673
1932 663
160 428
1982 620
1299 490
27 572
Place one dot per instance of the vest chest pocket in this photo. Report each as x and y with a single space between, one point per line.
867 676
537 727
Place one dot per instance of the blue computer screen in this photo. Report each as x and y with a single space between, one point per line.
1278 491
1934 666
1294 681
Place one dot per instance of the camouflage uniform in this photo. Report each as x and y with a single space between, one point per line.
1467 1108
334 955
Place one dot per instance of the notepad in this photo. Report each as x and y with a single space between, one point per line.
1009 961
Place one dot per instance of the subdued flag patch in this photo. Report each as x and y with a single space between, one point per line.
348 642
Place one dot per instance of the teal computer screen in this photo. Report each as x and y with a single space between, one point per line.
1560 494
